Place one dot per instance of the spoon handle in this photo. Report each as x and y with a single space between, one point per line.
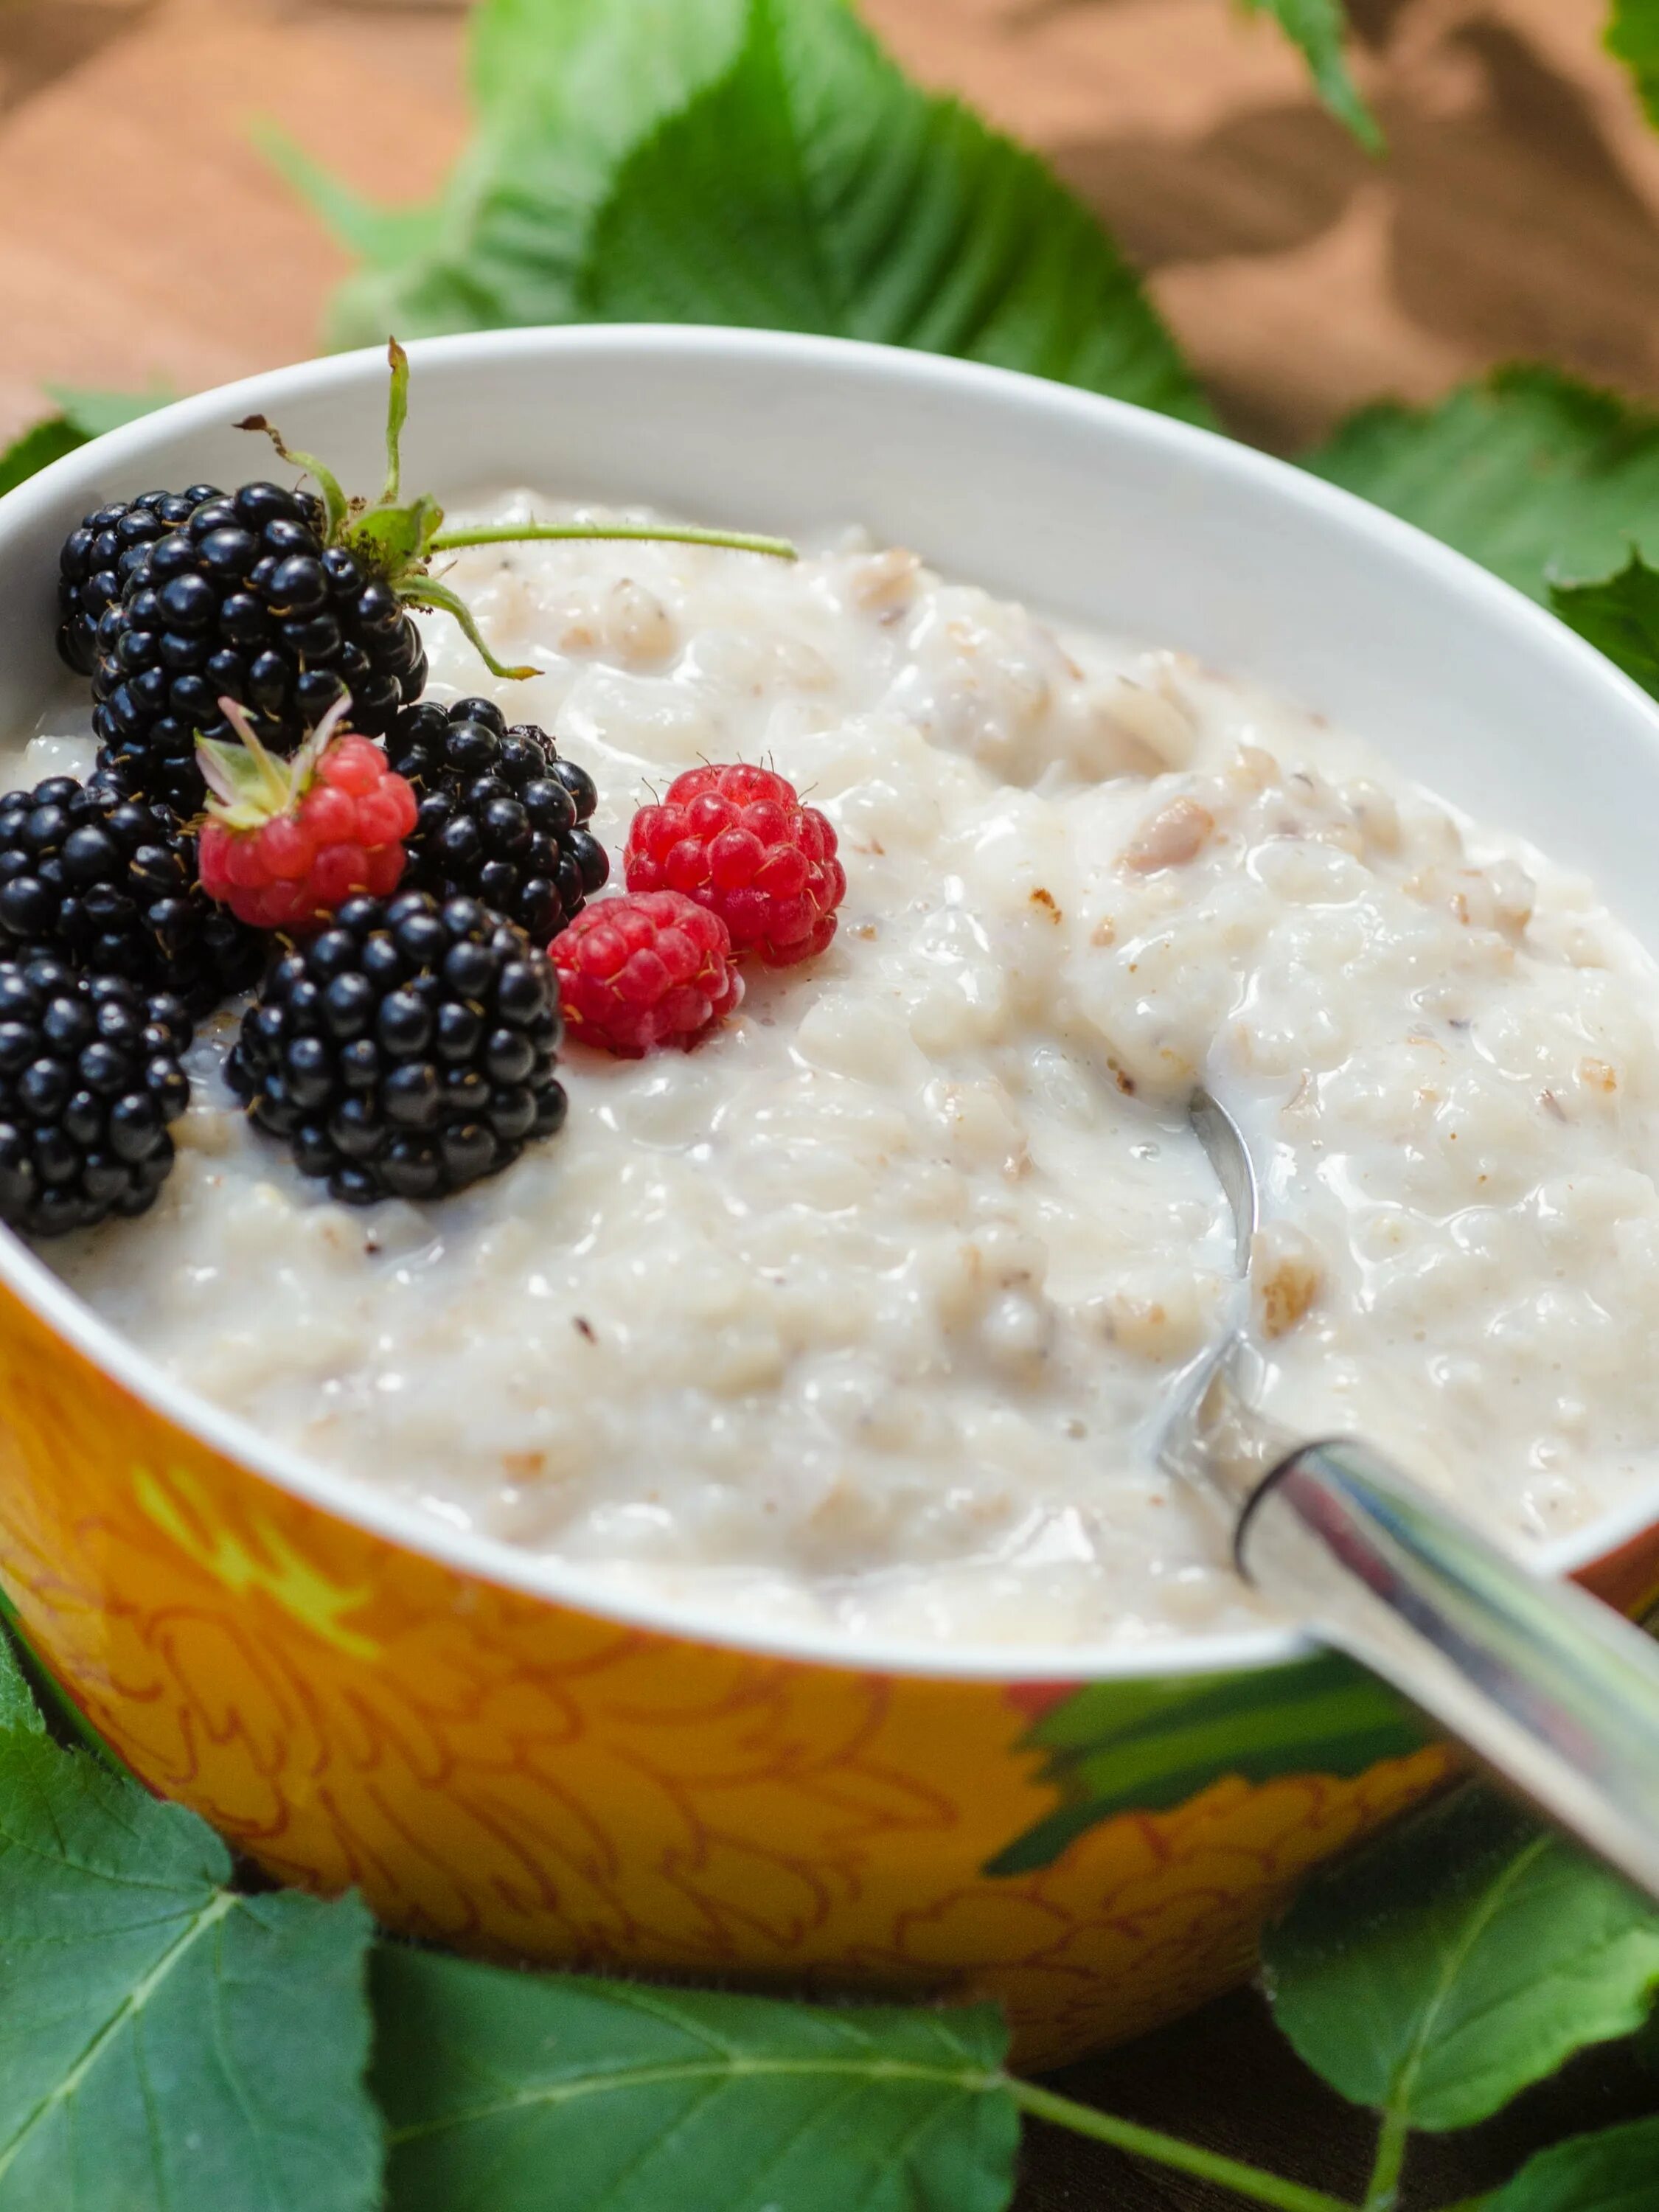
1553 1689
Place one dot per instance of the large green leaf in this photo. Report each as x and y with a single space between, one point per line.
754 162
1439 1973
514 2093
1617 2171
1632 35
165 2043
1620 615
1529 472
1318 28
812 188
1115 1747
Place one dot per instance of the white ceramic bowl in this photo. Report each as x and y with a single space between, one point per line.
1098 512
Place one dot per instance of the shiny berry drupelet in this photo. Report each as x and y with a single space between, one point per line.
101 552
500 815
407 1051
737 840
110 885
90 1080
243 602
647 970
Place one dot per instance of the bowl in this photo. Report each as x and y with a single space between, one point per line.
499 1757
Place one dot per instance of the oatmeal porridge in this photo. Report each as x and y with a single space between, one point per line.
863 1313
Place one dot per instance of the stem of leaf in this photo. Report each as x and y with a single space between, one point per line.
1385 2184
512 533
1251 2181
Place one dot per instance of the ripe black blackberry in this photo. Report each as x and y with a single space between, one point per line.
246 600
89 1081
407 1051
500 815
109 884
278 601
100 555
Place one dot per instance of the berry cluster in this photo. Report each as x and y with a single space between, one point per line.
397 880
244 601
502 816
406 1051
110 885
89 1081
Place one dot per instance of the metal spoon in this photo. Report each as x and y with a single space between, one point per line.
1555 1690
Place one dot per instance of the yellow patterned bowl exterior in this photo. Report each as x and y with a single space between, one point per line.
506 1774
353 1695
512 1775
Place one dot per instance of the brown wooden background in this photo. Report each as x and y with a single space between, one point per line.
141 236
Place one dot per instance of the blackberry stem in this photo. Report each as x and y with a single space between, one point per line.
396 416
424 592
513 533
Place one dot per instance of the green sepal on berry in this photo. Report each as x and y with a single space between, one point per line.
247 786
397 540
286 842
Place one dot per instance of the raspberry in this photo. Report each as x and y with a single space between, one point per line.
287 842
738 840
647 968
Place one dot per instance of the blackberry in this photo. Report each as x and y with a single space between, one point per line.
247 601
407 1051
110 885
500 815
279 601
89 1081
100 555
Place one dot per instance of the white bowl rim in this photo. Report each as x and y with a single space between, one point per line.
411 1528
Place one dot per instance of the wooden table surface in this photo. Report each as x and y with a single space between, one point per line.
143 237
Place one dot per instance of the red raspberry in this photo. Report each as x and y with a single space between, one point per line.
738 841
647 968
287 842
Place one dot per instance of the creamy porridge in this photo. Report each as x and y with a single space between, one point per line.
863 1312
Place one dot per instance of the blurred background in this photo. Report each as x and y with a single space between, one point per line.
144 237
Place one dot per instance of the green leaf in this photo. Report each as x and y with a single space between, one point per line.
1114 1747
1318 28
93 413
563 90
1527 472
32 1697
19 1713
37 449
381 235
746 161
511 2092
1616 2171
1620 615
1439 1973
83 417
164 2042
813 188
1632 35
